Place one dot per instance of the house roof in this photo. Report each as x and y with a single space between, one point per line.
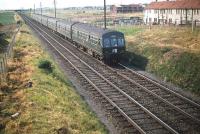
130 5
179 4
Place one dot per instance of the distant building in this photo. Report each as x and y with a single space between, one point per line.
132 8
176 12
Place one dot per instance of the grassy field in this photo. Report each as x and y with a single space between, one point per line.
129 30
88 16
7 18
7 27
172 53
50 105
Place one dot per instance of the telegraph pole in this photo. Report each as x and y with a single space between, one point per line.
105 14
55 7
41 7
192 20
34 8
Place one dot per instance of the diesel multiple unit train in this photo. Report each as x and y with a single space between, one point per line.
103 44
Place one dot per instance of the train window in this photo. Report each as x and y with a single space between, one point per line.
99 42
113 42
95 41
120 42
106 42
88 38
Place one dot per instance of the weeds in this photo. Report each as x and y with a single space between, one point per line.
51 105
7 18
129 30
165 50
45 65
172 53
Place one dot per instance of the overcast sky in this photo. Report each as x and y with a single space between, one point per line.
18 4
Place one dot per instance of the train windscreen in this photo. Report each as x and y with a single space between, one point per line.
114 42
121 42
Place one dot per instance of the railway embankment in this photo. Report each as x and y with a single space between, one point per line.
7 28
172 53
37 97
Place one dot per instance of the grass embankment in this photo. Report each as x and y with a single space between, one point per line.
7 18
44 99
171 53
129 30
6 30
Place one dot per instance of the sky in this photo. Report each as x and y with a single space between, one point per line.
26 4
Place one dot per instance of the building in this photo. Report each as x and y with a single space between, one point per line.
132 8
176 12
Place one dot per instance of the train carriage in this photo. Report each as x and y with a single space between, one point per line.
64 28
52 23
104 44
44 20
36 17
88 36
113 45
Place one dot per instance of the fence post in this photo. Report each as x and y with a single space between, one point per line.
1 71
4 59
4 68
6 62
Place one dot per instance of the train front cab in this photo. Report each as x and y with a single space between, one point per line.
113 47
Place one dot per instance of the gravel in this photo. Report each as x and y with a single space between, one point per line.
93 104
95 107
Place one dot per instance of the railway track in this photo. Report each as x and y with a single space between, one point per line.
171 96
145 111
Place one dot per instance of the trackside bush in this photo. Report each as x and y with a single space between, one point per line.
45 65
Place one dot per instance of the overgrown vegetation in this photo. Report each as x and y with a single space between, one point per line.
183 69
41 102
6 30
7 18
128 30
45 65
172 53
3 43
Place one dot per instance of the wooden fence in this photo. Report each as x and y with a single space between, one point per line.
7 55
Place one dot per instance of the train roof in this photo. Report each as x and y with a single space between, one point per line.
66 22
45 16
92 29
85 27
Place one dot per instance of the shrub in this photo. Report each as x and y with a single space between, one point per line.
46 65
165 50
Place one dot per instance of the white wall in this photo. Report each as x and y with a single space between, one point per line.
166 15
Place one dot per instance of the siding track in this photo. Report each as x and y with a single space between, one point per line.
142 108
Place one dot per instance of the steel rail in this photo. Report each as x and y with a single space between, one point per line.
88 80
145 89
130 98
161 86
155 95
163 100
